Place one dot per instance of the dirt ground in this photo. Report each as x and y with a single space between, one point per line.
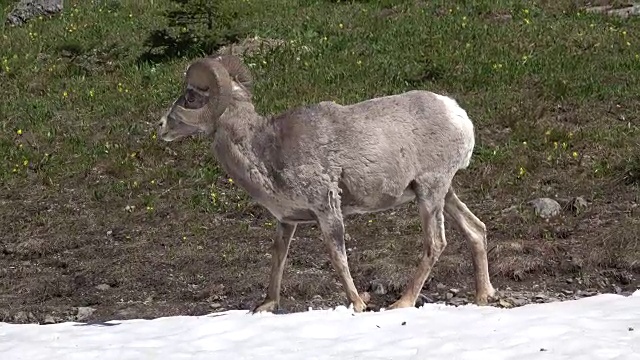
129 267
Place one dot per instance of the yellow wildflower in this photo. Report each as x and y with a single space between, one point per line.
521 171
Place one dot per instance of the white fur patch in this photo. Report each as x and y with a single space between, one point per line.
460 119
163 121
203 93
236 88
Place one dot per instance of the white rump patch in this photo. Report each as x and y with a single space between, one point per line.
460 119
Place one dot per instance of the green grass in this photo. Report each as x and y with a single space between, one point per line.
552 90
74 89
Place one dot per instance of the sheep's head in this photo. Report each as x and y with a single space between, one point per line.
207 95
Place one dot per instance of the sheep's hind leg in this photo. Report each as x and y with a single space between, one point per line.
475 232
434 243
279 251
332 227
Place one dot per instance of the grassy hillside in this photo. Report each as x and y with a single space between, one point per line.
90 198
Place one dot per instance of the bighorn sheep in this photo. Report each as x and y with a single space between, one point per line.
321 162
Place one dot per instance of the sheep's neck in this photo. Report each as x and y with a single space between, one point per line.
234 151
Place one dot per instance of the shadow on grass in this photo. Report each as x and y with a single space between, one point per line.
194 29
162 46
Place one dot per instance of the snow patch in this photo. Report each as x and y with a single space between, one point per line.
605 326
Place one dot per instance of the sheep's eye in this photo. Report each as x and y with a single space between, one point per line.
190 97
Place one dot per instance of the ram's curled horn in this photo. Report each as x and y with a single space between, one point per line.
207 75
237 70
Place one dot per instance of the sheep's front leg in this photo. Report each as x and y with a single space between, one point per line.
279 251
332 227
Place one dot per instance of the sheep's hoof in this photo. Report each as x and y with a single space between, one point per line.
359 307
266 306
400 304
485 297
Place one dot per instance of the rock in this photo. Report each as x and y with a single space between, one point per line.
625 278
617 289
578 205
127 312
458 301
545 207
48 319
567 292
21 317
519 301
424 299
454 291
440 286
28 9
505 304
510 209
622 12
590 292
103 287
365 296
541 297
379 289
215 305
84 312
251 46
501 17
449 296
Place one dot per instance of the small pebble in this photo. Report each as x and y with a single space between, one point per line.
379 290
103 287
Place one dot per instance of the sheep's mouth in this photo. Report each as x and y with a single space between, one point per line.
169 137
173 129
